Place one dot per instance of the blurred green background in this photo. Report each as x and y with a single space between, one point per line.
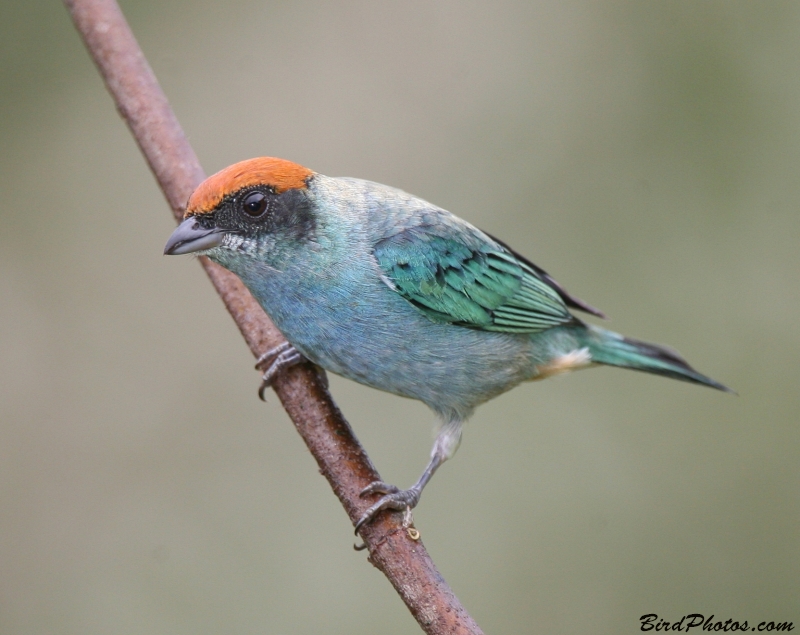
646 154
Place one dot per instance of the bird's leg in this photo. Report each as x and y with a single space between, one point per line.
444 447
275 361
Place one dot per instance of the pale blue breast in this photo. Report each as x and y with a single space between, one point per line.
332 304
362 330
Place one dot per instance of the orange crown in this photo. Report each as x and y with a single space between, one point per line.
279 174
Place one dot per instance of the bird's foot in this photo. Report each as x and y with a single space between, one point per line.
393 498
276 361
267 358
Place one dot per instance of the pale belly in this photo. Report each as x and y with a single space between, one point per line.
377 338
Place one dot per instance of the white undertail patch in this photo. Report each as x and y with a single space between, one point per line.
574 360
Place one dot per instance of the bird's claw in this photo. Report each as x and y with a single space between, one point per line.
263 362
393 498
276 361
378 487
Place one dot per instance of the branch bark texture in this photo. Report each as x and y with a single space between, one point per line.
301 390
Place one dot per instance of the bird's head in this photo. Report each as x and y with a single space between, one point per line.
258 208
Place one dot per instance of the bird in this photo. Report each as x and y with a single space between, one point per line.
382 287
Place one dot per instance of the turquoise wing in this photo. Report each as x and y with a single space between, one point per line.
458 275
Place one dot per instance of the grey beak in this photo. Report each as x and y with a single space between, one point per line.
190 236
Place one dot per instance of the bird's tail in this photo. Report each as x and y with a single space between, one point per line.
612 349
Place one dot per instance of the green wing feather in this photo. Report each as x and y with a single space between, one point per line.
459 275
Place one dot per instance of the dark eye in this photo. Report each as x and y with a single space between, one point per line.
254 204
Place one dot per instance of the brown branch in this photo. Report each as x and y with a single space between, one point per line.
301 390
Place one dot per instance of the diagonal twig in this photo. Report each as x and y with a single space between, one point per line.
144 107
